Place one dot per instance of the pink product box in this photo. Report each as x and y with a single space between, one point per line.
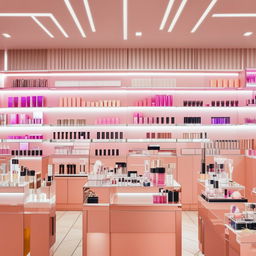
24 119
252 152
108 120
13 119
23 102
34 101
159 199
24 146
10 102
40 101
13 102
28 101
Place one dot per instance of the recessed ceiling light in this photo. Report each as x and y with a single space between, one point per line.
248 33
177 15
209 8
234 15
6 35
73 14
89 14
50 15
43 27
166 14
125 19
138 33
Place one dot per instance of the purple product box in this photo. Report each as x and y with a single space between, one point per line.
28 101
23 102
15 102
10 102
40 101
34 101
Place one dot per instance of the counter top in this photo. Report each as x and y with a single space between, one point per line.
175 185
242 236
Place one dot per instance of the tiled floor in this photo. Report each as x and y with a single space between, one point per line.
69 234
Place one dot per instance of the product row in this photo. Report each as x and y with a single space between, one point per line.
81 102
16 83
225 83
26 102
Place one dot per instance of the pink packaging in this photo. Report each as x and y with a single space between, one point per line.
16 102
40 101
162 100
14 118
23 103
34 102
24 146
10 102
28 101
169 100
135 118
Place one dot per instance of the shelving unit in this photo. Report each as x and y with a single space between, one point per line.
189 86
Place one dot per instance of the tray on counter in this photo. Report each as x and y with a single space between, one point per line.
224 200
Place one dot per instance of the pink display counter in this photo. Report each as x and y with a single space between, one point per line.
211 229
28 224
69 195
126 222
240 243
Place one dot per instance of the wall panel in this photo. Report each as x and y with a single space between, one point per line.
131 59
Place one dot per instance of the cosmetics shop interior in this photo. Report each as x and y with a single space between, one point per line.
127 128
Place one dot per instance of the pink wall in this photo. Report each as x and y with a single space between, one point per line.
132 59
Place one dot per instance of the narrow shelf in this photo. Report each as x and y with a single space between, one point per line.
68 141
68 156
22 140
70 175
109 141
128 89
121 108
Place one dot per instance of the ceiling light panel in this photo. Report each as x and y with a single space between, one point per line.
234 15
248 33
166 14
6 35
125 19
89 15
200 21
73 15
43 27
49 15
177 15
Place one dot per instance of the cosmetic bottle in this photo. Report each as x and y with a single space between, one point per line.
50 170
160 176
22 177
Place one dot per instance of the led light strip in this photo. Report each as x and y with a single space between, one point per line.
42 26
73 14
89 14
50 15
200 21
123 109
5 61
177 15
234 15
125 19
114 74
166 14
